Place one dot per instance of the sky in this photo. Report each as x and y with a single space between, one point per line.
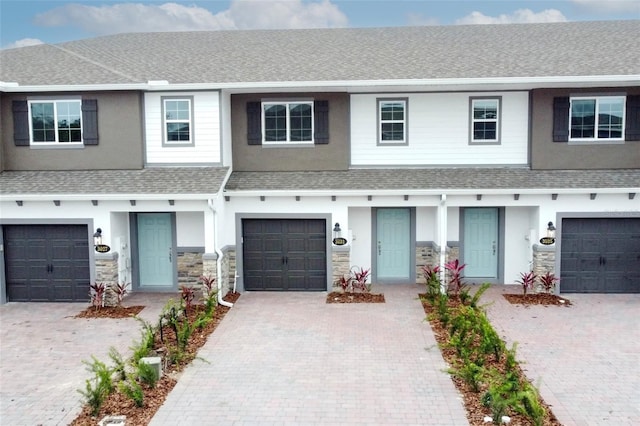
29 22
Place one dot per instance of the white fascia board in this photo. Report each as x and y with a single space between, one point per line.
428 192
107 197
354 86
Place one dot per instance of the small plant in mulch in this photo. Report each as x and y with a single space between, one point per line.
132 388
483 370
355 288
97 291
529 282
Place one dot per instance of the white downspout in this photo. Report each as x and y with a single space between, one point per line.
442 223
221 301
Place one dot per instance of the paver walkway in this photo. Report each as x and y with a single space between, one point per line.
41 352
290 358
585 359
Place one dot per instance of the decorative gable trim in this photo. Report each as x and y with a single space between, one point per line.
561 119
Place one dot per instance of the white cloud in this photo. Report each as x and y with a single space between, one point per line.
610 6
138 17
520 16
23 43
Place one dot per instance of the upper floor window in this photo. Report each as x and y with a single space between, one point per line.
597 118
55 121
392 121
285 122
485 120
178 120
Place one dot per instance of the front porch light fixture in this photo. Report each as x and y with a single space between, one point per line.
337 232
551 230
97 237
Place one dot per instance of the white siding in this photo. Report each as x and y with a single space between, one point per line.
205 128
438 131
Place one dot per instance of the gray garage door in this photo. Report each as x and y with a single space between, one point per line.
284 254
600 255
46 263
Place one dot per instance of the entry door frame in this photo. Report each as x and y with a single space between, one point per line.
581 215
135 267
499 279
80 221
240 252
374 247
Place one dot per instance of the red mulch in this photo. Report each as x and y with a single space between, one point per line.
349 297
544 299
118 404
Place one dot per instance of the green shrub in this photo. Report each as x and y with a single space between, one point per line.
147 374
132 389
99 387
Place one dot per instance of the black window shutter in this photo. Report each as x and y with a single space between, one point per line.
632 130
254 123
321 122
561 119
90 121
20 123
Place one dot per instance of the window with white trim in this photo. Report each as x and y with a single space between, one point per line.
287 122
178 121
392 121
55 121
597 118
485 120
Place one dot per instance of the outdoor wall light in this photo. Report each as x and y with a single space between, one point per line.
551 230
97 237
336 230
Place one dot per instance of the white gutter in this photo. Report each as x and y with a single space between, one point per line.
344 85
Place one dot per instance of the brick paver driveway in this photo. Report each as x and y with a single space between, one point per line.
585 359
41 352
289 358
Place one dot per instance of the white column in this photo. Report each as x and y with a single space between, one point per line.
442 237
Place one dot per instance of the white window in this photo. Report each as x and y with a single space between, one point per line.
178 121
56 121
597 118
286 122
485 120
392 121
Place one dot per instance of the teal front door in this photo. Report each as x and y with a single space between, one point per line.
481 242
393 245
155 251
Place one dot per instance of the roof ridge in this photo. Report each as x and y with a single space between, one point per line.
96 63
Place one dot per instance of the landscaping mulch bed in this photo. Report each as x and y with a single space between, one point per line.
350 297
544 299
118 404
110 312
476 412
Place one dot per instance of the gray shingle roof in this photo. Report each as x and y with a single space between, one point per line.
434 179
428 52
151 181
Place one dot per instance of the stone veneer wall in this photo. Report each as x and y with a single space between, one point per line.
428 253
544 260
341 263
228 268
190 267
209 264
107 273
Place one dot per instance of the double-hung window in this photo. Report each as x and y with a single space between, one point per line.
485 120
55 121
392 121
178 121
287 122
598 118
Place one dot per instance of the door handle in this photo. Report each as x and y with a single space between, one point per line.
170 254
379 248
494 248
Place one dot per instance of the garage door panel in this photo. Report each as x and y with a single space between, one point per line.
47 262
281 260
600 255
